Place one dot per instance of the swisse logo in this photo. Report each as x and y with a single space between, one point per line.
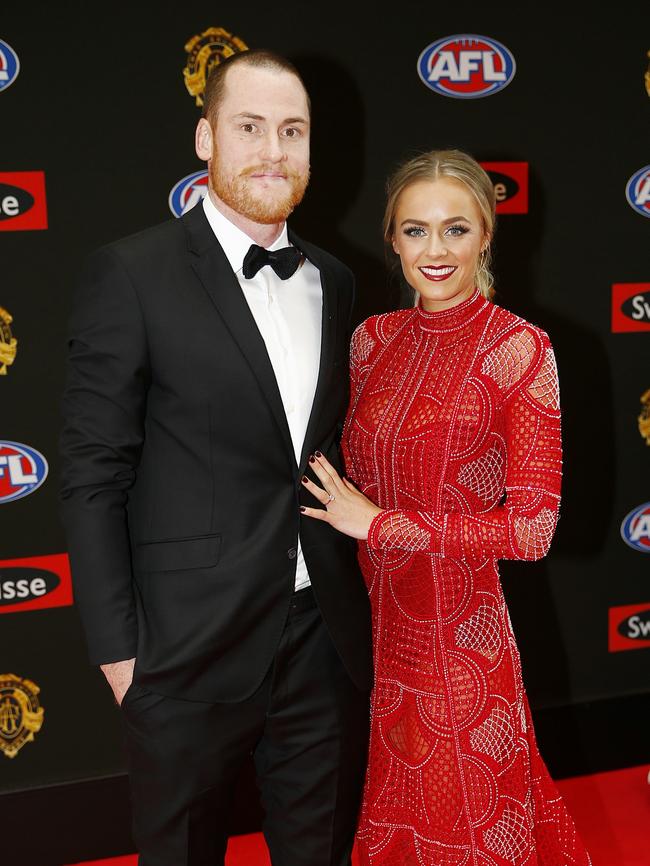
24 583
466 66
637 626
188 192
510 180
638 308
635 529
9 65
35 582
22 470
14 201
629 627
637 191
630 307
22 201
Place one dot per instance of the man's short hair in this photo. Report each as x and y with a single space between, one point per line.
258 57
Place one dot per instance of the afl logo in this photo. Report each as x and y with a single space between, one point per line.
22 470
466 66
637 191
188 192
9 65
635 529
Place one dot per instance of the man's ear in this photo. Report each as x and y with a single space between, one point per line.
203 140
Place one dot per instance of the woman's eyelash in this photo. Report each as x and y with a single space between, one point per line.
418 231
461 228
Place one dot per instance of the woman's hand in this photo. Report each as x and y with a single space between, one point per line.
346 509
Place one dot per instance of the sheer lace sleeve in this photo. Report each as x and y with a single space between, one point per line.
523 368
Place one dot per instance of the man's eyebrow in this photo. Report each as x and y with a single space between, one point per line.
249 115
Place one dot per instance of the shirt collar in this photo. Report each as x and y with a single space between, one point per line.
234 242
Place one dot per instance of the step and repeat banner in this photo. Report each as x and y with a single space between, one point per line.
97 114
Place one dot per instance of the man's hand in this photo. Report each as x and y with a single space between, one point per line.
119 676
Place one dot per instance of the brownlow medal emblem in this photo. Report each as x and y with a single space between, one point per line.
8 343
21 715
644 417
206 51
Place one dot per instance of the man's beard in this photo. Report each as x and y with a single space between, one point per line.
235 192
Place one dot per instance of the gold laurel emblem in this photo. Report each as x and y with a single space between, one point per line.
21 715
206 51
644 417
8 343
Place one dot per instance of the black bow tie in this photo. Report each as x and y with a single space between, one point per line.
284 262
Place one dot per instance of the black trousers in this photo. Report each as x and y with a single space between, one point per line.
307 728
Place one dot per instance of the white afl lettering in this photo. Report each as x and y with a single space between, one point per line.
469 62
641 528
16 474
196 195
445 67
489 72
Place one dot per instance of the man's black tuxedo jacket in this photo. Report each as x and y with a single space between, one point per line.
180 488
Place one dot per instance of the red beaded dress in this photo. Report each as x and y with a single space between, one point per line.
454 430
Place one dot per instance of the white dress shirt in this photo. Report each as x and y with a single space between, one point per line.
288 314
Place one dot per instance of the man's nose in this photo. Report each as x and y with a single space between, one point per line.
272 149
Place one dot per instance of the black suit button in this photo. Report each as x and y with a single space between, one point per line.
292 553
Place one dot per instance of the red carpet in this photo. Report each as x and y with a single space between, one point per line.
611 810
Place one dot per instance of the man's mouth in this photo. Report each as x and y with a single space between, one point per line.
267 173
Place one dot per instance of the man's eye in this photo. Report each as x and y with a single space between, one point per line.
249 127
291 132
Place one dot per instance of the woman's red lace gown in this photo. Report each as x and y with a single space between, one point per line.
454 429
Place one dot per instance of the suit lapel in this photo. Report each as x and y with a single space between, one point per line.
328 341
213 269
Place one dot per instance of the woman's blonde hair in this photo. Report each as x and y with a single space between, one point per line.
462 167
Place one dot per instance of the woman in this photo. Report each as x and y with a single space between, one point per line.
453 443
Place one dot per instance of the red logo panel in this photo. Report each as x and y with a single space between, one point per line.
22 201
629 627
630 307
35 582
510 181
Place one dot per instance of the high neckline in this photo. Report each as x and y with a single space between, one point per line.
453 318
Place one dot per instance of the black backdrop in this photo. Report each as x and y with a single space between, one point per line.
100 106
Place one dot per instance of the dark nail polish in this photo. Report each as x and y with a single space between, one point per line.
318 454
304 478
302 508
312 459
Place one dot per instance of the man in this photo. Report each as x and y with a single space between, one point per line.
200 383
